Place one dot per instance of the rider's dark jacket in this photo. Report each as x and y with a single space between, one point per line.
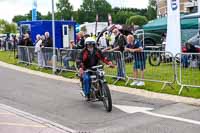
88 59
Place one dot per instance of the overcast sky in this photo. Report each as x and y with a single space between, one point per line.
10 8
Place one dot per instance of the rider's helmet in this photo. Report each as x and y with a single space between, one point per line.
90 41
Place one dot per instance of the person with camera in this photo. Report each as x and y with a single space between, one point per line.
90 56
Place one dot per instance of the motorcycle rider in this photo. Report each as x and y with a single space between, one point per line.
89 57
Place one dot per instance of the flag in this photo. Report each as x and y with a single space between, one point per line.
34 10
173 43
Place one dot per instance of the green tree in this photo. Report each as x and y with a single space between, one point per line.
102 8
5 27
2 25
65 10
13 28
152 10
89 9
86 13
47 17
29 15
121 17
18 18
25 17
137 20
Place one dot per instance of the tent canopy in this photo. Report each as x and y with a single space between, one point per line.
161 24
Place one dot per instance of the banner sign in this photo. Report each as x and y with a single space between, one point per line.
173 43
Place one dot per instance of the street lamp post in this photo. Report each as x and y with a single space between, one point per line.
53 35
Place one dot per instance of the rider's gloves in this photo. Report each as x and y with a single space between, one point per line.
81 71
111 64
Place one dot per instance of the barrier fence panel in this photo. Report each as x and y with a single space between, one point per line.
188 70
68 59
41 58
48 54
23 55
158 66
33 58
118 72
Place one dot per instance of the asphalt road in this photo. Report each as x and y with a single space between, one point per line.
62 103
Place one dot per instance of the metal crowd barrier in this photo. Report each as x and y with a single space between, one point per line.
48 55
42 58
158 66
119 72
69 59
188 70
33 56
23 54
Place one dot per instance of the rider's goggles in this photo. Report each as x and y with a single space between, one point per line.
90 43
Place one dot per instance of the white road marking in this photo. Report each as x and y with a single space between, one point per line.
134 109
21 125
172 117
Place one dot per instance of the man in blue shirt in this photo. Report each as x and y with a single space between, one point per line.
135 46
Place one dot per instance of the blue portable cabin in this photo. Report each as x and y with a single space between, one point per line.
64 30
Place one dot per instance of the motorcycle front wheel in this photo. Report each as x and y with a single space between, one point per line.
106 97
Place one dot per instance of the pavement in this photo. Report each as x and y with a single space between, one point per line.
16 121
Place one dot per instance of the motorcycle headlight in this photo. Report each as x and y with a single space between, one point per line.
101 73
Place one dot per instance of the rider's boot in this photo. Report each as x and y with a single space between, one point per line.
88 97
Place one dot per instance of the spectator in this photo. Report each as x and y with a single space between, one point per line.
72 44
81 42
48 41
103 41
15 41
48 49
77 38
0 44
118 45
26 41
136 47
190 59
108 38
43 40
70 55
38 50
163 40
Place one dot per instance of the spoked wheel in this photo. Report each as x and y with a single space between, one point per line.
154 59
106 97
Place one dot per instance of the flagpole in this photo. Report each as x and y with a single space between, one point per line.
97 17
198 10
53 34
